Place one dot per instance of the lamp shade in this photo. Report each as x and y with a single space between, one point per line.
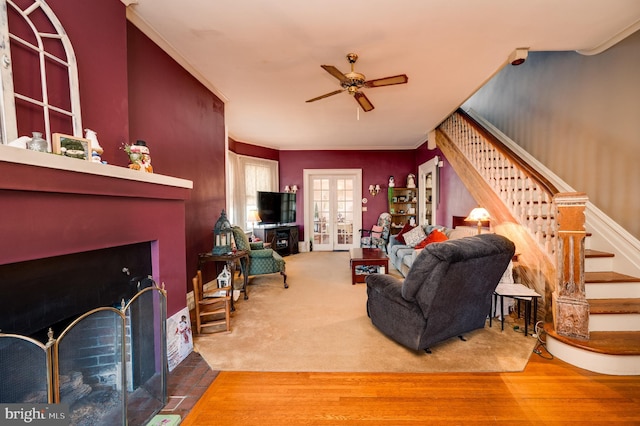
478 214
254 217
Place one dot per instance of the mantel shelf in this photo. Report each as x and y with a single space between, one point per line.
27 157
26 170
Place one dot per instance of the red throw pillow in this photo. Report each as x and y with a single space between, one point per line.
434 237
422 244
406 228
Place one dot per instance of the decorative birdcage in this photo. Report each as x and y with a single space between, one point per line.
222 235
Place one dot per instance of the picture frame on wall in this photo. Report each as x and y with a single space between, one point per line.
71 146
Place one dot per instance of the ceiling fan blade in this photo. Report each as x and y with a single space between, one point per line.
335 92
335 72
363 101
387 81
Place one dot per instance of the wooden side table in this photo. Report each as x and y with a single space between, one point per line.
229 259
362 259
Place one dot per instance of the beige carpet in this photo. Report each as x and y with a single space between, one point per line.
320 324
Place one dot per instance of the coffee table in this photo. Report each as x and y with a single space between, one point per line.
365 261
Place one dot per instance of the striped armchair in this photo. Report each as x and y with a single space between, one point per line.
261 260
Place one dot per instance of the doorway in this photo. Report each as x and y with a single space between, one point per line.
428 192
333 213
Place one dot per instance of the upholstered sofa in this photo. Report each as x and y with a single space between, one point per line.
402 255
446 293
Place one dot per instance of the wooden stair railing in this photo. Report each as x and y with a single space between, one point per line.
525 207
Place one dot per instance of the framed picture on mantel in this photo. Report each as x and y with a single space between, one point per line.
71 146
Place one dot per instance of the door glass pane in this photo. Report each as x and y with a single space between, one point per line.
321 213
344 211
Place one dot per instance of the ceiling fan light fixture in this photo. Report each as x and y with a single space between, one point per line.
352 81
355 79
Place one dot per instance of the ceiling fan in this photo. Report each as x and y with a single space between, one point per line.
353 81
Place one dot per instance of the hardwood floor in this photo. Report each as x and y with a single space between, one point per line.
547 392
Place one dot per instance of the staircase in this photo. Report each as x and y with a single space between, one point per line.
614 321
483 157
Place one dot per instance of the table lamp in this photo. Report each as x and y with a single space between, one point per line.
478 215
254 218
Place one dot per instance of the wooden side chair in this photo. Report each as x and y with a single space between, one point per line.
213 308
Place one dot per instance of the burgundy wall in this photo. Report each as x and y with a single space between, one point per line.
183 125
97 30
130 89
376 167
242 148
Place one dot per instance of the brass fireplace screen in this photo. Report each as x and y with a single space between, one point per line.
109 365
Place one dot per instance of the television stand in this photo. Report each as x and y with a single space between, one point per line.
283 238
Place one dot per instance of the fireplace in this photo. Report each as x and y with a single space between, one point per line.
55 206
109 366
58 209
53 291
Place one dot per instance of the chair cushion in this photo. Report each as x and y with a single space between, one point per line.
240 238
268 253
376 231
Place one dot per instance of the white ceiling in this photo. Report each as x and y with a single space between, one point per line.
263 57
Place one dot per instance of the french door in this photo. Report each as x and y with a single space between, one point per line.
333 214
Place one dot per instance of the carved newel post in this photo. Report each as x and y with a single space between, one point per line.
570 306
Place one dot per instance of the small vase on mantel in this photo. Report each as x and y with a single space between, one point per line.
37 143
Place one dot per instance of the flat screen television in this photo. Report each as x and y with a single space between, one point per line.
276 207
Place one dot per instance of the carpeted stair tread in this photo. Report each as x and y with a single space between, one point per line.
604 342
614 306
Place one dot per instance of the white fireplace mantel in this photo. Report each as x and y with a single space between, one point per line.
27 157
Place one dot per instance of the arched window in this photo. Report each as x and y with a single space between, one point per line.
33 45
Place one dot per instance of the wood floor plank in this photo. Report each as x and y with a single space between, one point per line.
546 392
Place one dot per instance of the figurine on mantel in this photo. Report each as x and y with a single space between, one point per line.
95 146
139 156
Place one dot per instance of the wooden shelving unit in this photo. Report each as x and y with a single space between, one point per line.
403 205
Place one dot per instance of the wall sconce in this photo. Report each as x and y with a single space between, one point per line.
291 189
478 215
374 189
